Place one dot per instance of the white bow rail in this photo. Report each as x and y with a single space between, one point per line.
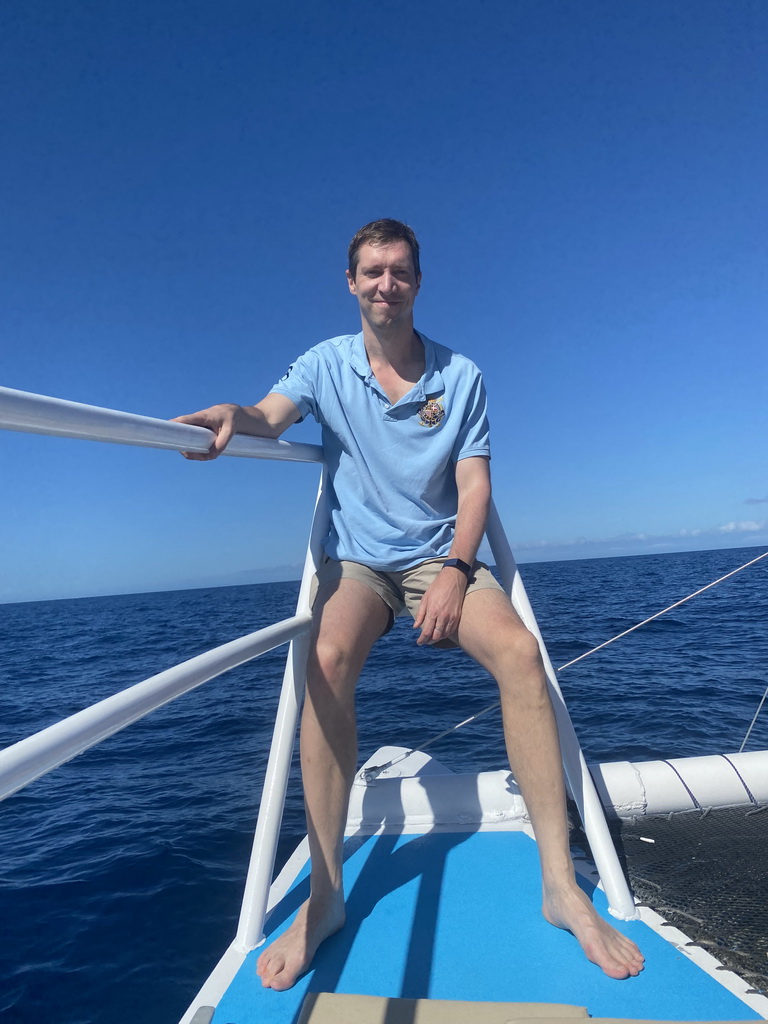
39 414
32 757
27 760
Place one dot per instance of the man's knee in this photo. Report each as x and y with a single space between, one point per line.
510 640
331 660
525 646
520 666
335 661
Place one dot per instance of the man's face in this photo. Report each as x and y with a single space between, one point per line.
385 284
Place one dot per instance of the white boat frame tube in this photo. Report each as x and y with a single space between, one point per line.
620 901
630 789
39 414
27 760
250 929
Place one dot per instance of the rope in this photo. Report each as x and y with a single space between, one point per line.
740 777
369 774
686 787
664 611
751 724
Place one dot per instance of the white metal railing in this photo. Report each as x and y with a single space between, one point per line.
250 929
32 757
39 414
27 760
620 901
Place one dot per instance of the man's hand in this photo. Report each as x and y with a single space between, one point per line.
268 418
440 609
221 419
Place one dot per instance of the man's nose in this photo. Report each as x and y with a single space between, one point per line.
387 282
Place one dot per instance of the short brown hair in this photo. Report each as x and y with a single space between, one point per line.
383 232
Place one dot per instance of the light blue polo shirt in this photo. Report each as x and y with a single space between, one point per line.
393 491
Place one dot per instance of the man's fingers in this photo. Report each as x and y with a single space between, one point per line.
437 616
436 633
221 428
213 452
221 441
200 456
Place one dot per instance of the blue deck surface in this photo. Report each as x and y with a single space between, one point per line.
456 916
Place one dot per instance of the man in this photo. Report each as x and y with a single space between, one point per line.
406 440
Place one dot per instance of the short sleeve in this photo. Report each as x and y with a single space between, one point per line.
299 384
474 435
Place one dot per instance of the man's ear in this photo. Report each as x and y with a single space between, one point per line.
351 282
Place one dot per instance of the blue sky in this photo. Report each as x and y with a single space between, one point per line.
178 185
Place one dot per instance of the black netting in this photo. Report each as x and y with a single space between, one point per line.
706 873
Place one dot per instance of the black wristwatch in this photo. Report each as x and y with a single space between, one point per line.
456 563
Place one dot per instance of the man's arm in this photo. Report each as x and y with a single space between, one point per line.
268 418
440 609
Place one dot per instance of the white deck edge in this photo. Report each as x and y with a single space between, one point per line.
225 970
287 874
217 983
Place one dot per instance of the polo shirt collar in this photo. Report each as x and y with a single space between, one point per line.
431 382
359 358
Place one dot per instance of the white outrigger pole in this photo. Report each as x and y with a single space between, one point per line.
253 913
20 764
620 901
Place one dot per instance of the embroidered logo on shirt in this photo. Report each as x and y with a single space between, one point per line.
432 413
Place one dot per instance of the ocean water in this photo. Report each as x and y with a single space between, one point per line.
121 873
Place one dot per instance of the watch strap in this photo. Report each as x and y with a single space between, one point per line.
456 563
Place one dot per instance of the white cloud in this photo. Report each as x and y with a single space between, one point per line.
738 534
748 526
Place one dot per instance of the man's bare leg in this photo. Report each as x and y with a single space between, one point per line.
348 619
493 634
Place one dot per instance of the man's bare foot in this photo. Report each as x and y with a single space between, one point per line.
291 954
571 909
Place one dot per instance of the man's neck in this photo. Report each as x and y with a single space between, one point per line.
397 346
397 361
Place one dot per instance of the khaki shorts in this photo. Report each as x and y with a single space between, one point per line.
400 591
